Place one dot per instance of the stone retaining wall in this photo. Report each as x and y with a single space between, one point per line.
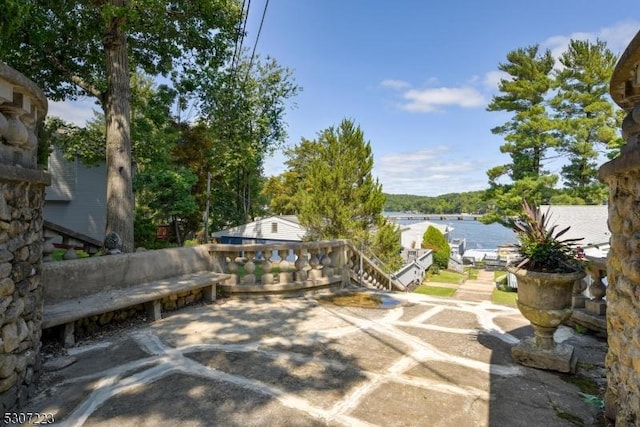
22 108
622 399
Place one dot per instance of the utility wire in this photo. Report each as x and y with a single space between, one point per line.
240 35
255 44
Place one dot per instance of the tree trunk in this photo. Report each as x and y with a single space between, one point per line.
117 110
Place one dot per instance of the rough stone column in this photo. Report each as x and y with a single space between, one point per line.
622 175
22 108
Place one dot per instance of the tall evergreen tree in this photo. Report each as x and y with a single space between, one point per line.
586 120
528 133
340 198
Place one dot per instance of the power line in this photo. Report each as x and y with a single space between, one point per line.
255 44
240 35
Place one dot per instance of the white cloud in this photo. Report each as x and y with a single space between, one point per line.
76 112
431 100
428 172
492 79
617 37
395 84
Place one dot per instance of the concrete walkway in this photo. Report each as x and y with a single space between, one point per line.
303 362
479 289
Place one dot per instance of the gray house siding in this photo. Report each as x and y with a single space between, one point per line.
413 273
77 197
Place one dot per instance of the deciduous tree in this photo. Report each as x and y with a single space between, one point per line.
90 48
434 239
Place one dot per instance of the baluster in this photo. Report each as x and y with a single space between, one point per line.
232 268
578 299
249 269
285 275
267 275
327 269
597 291
314 263
301 264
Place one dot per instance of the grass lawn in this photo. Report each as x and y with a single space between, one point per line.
498 273
504 298
437 291
446 276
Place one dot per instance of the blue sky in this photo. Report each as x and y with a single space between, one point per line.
416 75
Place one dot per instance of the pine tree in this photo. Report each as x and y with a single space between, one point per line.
528 134
339 197
585 118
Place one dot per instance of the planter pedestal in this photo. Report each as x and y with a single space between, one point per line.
560 358
545 300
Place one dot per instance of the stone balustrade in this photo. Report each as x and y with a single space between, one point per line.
622 175
589 305
22 107
282 267
296 267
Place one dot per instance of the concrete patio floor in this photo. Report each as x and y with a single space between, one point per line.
300 362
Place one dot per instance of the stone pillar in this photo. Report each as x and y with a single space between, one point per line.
22 108
622 175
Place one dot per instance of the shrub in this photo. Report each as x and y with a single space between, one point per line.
433 239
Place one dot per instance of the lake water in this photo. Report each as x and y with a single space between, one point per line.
477 234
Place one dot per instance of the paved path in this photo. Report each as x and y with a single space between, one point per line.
301 362
479 289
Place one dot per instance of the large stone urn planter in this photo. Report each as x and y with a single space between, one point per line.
544 299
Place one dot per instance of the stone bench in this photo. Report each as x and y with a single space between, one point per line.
82 288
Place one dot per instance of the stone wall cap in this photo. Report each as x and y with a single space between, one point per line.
624 71
13 76
16 173
626 163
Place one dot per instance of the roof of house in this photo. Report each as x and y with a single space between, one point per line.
586 222
423 225
286 228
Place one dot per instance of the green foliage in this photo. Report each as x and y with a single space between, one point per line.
167 193
563 112
339 197
88 48
540 245
466 202
144 229
506 200
243 122
585 117
433 239
386 245
528 133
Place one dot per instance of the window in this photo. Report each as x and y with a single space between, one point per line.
274 227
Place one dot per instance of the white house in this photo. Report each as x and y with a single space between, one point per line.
411 234
285 228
